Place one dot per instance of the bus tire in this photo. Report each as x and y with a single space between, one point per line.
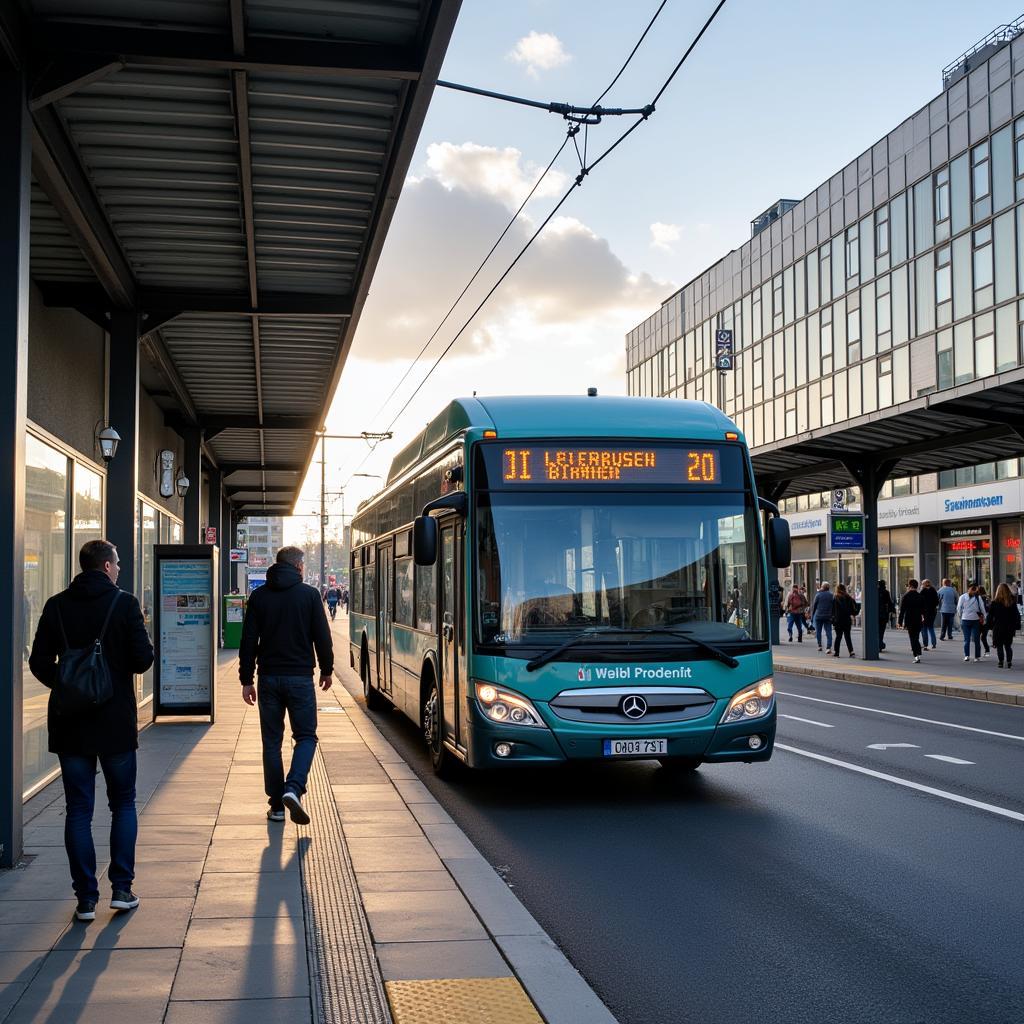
680 766
375 700
441 759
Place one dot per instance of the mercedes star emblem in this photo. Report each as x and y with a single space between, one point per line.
634 706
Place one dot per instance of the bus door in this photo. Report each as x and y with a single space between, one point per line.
385 592
451 639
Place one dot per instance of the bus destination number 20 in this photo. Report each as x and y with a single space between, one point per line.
610 465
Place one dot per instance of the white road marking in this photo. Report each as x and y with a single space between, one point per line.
912 718
809 721
954 797
886 746
951 760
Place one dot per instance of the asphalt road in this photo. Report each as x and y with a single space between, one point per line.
838 882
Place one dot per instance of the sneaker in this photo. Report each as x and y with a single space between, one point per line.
917 659
967 659
275 815
123 899
977 660
799 639
294 804
86 910
988 654
933 647
819 647
1000 665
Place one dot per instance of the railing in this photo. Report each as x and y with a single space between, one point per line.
995 38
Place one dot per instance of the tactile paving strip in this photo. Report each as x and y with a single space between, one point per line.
345 980
461 1001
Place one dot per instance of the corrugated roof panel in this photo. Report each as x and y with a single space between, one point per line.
394 22
161 151
318 151
55 255
297 358
166 13
236 445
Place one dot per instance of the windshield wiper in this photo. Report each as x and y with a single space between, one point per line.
715 652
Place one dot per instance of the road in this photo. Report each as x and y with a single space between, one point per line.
840 881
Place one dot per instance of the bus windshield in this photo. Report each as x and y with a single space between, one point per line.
549 564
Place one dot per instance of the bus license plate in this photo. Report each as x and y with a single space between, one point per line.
635 748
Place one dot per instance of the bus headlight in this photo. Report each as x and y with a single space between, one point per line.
504 706
751 703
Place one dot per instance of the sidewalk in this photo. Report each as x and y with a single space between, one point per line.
379 910
940 671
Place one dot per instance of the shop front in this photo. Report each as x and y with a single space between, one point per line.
967 555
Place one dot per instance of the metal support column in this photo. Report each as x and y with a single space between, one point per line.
870 477
194 497
227 542
213 518
123 416
14 295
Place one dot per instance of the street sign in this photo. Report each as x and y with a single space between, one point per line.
846 531
239 555
723 350
211 535
839 498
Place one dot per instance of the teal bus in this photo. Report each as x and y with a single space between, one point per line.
551 579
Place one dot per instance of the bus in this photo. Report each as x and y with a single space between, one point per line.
551 579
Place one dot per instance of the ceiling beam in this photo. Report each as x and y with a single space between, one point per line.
272 422
153 345
61 176
255 467
204 51
61 80
259 489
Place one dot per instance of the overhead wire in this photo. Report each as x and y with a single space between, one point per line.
576 184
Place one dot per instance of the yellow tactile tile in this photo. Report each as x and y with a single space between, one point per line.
461 1001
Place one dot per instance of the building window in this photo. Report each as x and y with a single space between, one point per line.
885 382
1018 132
882 231
852 253
944 283
777 300
983 267
981 181
942 197
945 359
853 334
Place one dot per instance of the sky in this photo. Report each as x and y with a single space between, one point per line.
775 99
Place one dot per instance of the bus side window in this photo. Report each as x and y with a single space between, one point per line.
426 598
370 589
403 592
356 591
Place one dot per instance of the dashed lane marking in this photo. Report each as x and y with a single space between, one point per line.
897 714
1002 812
808 721
950 760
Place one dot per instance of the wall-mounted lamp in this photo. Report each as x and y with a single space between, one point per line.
182 484
108 439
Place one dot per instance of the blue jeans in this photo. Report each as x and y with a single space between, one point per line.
972 631
825 624
928 633
795 619
78 773
297 696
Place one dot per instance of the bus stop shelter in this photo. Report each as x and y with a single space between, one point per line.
211 183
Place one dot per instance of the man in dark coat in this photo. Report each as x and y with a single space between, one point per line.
284 625
913 607
109 733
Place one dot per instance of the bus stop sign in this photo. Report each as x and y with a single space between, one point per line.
723 350
846 531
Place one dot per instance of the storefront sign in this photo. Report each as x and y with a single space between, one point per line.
965 531
240 555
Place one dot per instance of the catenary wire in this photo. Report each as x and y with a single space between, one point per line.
576 184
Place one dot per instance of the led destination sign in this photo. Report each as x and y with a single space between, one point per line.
540 464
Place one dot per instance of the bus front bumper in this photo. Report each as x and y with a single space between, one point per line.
567 741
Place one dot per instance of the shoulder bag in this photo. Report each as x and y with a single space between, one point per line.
83 675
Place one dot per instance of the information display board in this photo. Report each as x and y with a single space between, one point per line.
846 531
186 630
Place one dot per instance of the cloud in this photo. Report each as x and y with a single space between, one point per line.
488 171
539 51
663 236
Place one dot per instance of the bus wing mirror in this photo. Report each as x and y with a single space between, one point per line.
779 546
424 540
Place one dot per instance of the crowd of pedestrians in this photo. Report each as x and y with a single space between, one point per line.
830 615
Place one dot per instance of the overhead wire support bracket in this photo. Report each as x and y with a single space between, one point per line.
571 112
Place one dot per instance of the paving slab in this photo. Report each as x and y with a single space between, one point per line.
157 923
424 916
412 961
19 966
238 895
239 1011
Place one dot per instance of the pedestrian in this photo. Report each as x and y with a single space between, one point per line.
912 615
344 600
972 614
844 608
948 598
1004 617
931 602
807 609
984 625
885 609
284 627
821 615
795 605
333 597
93 610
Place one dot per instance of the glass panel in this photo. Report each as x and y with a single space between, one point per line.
962 292
403 591
983 258
925 295
898 228
88 507
426 597
1006 338
945 359
46 573
900 314
963 353
960 188
1002 169
924 219
1005 267
901 374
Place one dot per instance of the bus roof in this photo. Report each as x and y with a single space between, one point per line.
566 416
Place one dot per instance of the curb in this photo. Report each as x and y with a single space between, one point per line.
928 686
557 989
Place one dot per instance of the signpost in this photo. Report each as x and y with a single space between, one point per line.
846 531
186 630
723 350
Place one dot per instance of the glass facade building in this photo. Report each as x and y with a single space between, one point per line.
901 276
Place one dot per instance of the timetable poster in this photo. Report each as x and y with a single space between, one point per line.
186 631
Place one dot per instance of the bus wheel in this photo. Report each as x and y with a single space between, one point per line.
375 700
440 758
680 766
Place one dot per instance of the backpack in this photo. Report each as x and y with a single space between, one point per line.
83 675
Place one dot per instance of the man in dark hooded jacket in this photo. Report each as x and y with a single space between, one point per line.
73 619
284 625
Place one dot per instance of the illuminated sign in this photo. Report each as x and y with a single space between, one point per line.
969 545
610 464
846 531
